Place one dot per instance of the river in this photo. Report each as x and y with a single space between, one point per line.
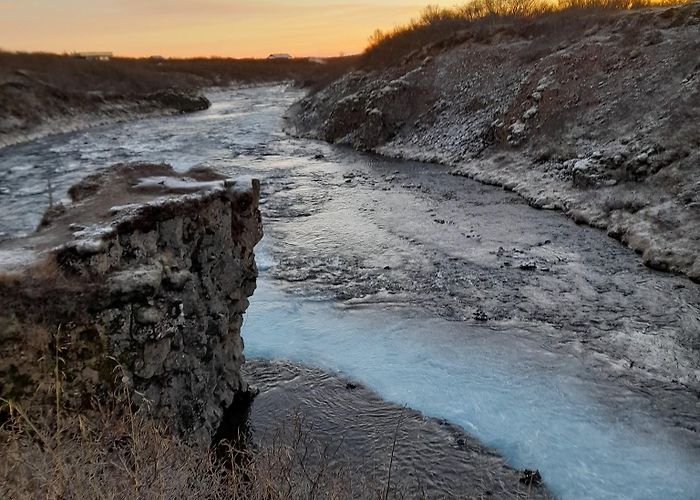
547 341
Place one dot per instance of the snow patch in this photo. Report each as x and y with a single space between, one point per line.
179 184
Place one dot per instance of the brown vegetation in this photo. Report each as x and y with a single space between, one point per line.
49 93
113 452
141 76
435 23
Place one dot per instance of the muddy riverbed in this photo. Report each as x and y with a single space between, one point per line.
547 315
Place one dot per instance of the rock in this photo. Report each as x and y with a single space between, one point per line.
161 296
142 279
517 132
531 477
181 101
694 273
585 173
641 159
545 82
517 128
528 266
148 316
530 112
178 279
154 355
480 315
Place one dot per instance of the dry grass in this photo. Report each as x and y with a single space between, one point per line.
123 76
52 448
516 16
115 454
36 89
110 452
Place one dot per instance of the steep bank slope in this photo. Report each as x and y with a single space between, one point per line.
143 280
596 115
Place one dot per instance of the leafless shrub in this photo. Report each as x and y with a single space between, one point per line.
482 19
127 76
112 452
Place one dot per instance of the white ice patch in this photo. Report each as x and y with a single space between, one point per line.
16 258
241 184
91 240
118 209
178 183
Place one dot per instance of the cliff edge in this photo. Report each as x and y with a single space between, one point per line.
141 281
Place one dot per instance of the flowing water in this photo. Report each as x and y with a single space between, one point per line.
374 269
536 408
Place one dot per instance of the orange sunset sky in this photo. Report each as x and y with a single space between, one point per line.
185 28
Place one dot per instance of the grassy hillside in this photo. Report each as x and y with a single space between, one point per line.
530 18
123 75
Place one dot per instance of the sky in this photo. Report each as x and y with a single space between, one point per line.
188 28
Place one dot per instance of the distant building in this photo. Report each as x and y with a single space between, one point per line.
94 56
279 56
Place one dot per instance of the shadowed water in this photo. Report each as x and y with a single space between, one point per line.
538 409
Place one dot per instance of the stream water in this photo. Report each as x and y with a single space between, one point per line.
374 269
537 408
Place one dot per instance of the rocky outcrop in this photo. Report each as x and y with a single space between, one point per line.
142 283
598 120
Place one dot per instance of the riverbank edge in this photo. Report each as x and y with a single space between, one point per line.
109 113
282 381
511 171
90 120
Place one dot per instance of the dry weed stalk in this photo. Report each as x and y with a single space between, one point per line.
115 452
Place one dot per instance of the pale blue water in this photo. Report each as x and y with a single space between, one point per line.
535 407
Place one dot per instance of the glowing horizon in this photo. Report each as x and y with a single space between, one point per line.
202 28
